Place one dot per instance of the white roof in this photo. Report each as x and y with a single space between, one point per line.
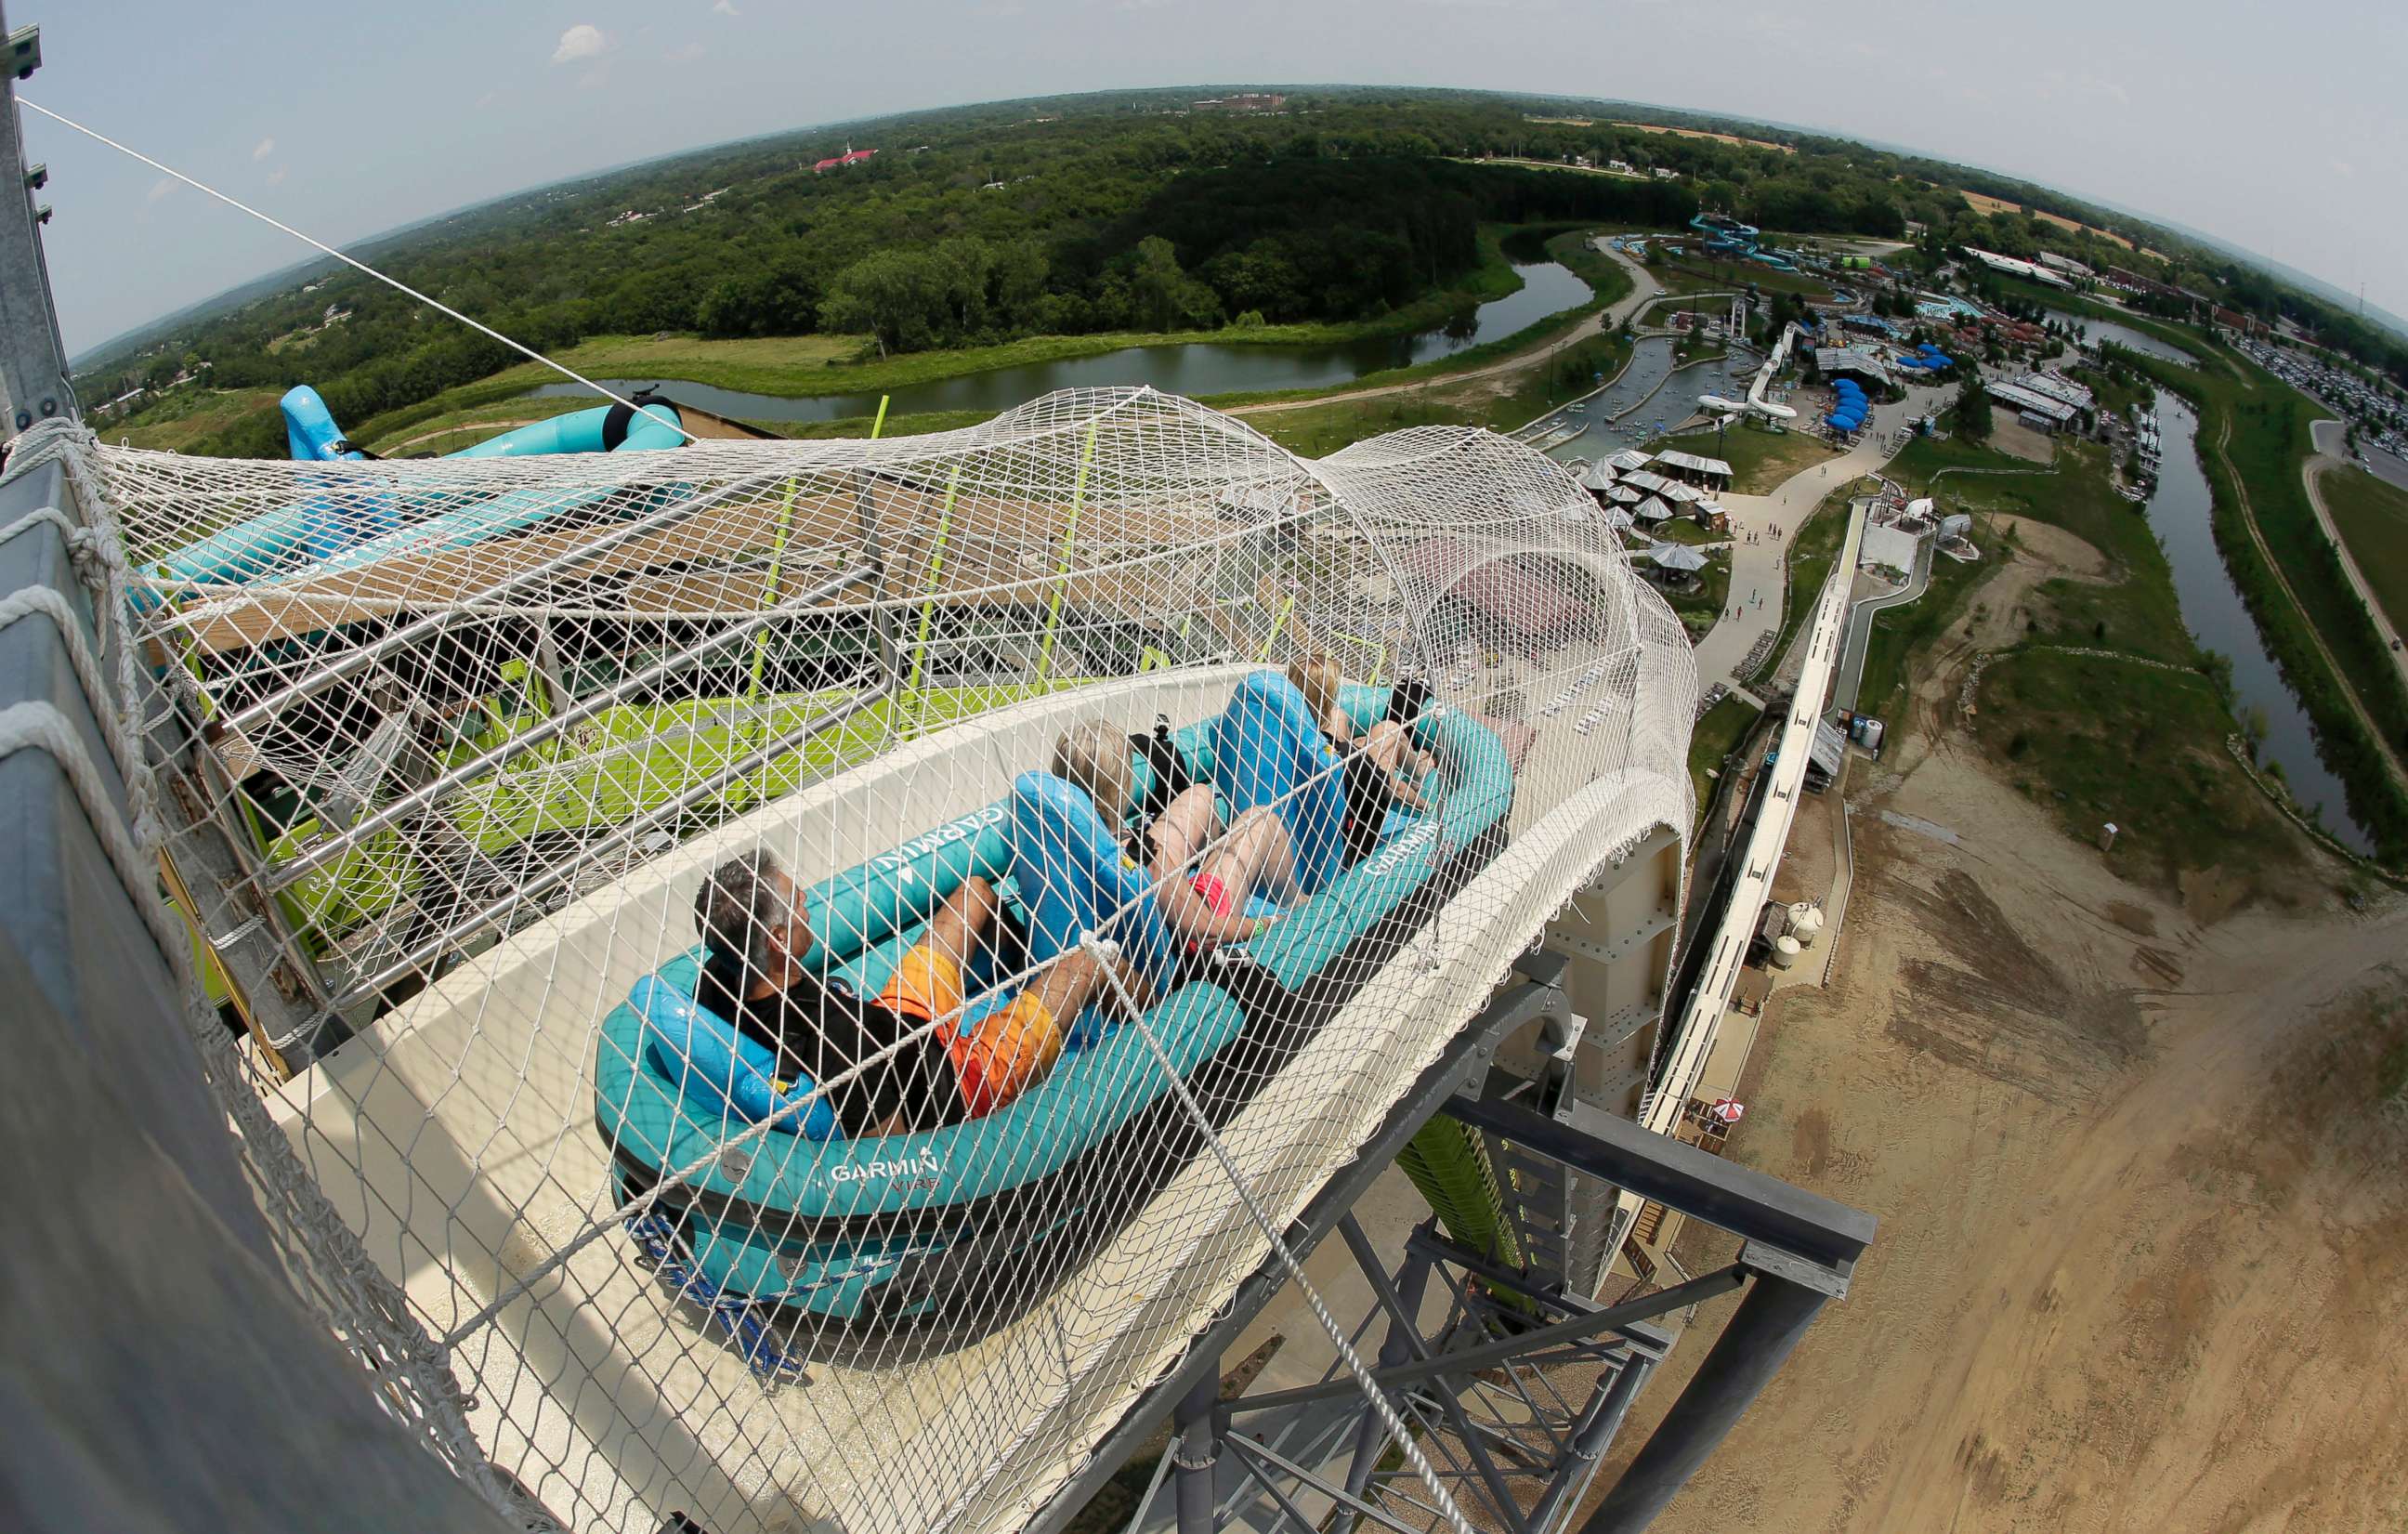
1652 509
1646 480
1696 464
1599 477
2029 399
1677 556
1680 495
1624 495
1630 458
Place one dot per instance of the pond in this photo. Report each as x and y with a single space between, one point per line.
1194 368
1650 389
2213 611
2123 336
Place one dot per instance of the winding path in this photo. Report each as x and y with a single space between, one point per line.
2312 473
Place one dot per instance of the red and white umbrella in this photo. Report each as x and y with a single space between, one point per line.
1726 1110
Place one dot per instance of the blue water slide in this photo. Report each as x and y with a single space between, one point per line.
1267 749
351 523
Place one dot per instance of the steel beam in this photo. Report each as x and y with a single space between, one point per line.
1578 1329
1739 1199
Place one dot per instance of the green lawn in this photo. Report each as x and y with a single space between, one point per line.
2372 518
2091 739
183 417
2069 730
1716 737
1760 460
2136 604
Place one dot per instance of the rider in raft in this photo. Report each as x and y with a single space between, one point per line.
752 923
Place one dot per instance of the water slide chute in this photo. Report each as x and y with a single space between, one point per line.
875 1234
353 523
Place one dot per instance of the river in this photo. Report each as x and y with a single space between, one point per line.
2123 336
1194 368
2211 609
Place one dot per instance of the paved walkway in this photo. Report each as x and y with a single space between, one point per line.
2312 472
1860 624
1757 567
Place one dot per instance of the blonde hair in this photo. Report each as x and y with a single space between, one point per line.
1095 758
1316 677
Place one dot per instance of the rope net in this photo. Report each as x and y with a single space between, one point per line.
776 927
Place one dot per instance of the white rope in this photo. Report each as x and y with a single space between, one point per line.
1105 955
394 283
378 1312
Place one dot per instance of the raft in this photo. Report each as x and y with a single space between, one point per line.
950 1233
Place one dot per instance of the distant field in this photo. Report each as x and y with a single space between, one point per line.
1700 132
1986 206
183 419
2372 518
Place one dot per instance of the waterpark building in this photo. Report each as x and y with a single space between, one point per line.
2012 266
1840 362
1711 473
2042 412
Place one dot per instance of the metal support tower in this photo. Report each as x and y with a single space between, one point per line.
32 360
1514 1381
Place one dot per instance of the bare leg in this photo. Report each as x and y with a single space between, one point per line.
962 921
1256 851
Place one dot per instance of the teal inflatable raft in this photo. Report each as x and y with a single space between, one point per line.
950 1233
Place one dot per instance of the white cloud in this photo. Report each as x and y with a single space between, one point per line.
582 42
684 53
276 176
160 187
725 7
267 147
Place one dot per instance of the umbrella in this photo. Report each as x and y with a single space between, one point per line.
1676 556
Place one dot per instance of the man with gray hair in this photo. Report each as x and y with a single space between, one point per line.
925 1070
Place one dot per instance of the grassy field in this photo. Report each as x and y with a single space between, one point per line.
2372 518
1760 460
2134 609
2091 738
183 417
1319 430
1717 736
2071 729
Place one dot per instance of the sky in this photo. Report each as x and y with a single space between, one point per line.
2281 130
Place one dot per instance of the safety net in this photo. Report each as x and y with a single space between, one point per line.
805 973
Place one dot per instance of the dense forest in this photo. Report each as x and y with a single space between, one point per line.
1125 212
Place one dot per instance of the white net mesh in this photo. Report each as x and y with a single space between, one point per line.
871 1201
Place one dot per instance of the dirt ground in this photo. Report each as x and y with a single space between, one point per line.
2016 440
2144 1254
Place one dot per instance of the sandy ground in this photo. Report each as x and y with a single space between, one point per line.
2144 1256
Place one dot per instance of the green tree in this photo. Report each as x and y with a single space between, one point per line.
897 296
1970 417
